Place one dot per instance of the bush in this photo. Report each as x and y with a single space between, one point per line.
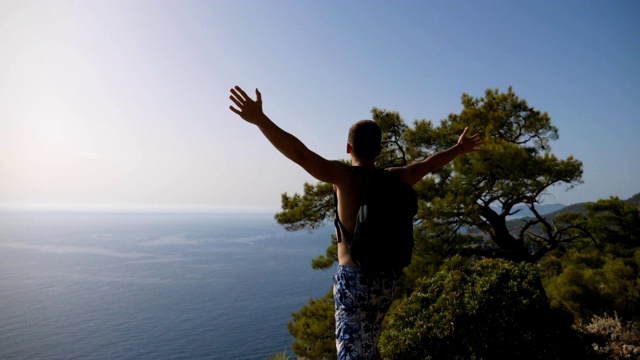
280 356
493 309
314 329
598 273
615 339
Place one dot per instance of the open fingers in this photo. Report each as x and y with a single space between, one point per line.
237 95
477 142
243 105
236 101
238 90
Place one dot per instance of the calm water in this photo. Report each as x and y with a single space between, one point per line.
152 286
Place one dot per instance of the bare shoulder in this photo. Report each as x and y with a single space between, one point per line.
343 174
403 173
334 172
328 171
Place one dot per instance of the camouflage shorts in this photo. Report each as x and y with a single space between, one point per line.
361 303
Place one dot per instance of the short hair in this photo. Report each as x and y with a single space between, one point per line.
365 138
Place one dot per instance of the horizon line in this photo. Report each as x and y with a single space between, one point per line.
158 208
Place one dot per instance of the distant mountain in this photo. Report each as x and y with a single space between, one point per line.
634 200
518 222
576 208
523 211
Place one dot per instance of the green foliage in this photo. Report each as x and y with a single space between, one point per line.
314 329
493 309
393 141
280 356
329 258
515 167
307 211
599 273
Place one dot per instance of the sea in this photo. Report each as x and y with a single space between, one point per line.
153 285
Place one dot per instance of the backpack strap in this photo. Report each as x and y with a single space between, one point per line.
340 228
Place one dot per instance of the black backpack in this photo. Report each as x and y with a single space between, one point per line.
383 236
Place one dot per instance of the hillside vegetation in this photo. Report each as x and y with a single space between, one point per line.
580 261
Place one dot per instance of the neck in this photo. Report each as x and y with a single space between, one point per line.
370 164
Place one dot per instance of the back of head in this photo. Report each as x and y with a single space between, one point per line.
365 138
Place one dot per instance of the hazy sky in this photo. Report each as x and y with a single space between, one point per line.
126 102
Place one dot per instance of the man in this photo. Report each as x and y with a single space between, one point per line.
362 300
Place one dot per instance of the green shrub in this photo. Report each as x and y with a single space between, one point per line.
280 356
598 273
492 309
314 329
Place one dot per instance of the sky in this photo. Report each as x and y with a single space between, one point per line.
126 103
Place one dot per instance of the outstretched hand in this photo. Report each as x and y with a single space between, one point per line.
248 109
470 143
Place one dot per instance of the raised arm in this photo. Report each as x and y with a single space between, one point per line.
413 172
320 168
